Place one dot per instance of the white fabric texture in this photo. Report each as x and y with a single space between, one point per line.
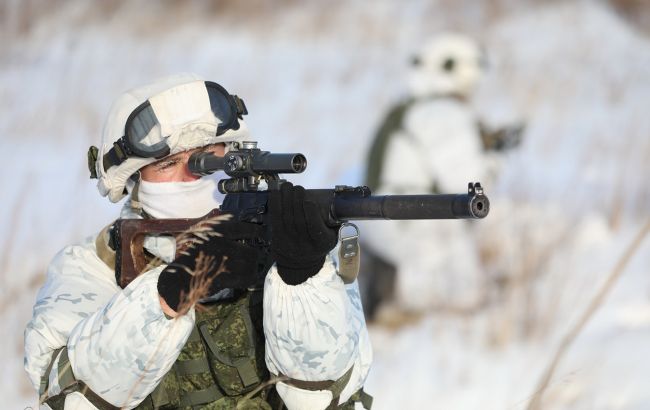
316 331
180 101
128 371
190 199
181 106
119 341
162 246
441 144
299 399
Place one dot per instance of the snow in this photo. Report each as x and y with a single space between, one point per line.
317 78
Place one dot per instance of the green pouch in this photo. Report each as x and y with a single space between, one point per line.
235 347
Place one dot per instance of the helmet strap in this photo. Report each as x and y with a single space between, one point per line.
134 202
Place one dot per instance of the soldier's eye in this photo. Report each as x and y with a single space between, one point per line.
449 64
416 61
166 164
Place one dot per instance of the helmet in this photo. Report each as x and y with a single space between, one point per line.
448 64
168 116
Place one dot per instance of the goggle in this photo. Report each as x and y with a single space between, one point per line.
144 135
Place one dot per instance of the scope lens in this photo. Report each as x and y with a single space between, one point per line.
299 163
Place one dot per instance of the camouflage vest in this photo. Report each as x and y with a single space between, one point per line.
222 364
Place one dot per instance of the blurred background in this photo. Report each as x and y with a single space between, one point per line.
568 201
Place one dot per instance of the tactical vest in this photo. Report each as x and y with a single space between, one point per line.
220 367
222 362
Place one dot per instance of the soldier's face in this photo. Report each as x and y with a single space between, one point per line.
175 167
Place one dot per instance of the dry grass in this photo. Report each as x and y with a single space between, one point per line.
636 12
523 246
15 218
595 303
201 281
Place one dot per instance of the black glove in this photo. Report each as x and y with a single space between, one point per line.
301 239
190 270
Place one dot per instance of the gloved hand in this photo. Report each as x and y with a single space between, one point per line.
196 268
301 239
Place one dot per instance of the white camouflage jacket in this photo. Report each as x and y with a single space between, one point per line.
120 344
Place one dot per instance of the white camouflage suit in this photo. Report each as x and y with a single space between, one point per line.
121 344
436 145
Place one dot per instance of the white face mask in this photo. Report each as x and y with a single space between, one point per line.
179 199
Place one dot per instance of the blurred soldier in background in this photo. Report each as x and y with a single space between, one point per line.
91 344
432 142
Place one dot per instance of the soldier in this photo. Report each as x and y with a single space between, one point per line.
93 345
431 142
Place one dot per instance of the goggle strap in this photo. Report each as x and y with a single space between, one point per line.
93 152
241 106
117 154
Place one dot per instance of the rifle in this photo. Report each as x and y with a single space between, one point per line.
249 169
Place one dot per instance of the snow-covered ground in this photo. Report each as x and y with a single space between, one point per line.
317 78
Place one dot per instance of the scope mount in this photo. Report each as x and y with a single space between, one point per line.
247 165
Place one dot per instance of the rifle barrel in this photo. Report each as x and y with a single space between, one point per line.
445 206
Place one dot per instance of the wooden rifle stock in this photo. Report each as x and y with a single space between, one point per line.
129 237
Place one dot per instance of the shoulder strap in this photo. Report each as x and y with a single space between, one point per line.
392 123
244 365
334 386
45 380
360 396
69 384
103 246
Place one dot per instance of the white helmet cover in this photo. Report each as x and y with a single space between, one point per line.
447 64
182 107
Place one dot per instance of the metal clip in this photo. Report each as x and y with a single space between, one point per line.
349 254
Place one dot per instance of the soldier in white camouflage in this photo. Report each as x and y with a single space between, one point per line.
296 341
